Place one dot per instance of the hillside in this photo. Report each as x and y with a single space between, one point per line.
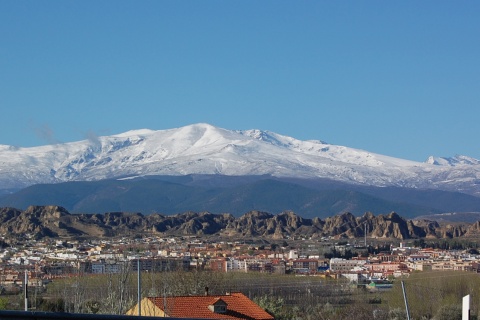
211 193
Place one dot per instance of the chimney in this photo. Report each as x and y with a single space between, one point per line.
206 291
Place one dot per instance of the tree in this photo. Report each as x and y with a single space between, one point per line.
56 305
473 251
273 305
117 299
3 303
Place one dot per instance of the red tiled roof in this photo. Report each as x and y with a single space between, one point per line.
239 306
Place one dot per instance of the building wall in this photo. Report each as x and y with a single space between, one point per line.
147 308
342 265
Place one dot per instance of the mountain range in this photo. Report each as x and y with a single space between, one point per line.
52 221
202 167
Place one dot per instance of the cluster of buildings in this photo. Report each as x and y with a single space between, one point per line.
44 261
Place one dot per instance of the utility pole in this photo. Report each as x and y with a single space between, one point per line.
406 301
365 224
25 290
139 284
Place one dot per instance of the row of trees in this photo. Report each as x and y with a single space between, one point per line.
446 244
432 295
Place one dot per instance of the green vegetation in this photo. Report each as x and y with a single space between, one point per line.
344 254
431 295
436 294
447 244
3 303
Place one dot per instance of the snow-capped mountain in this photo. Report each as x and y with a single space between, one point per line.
205 149
453 161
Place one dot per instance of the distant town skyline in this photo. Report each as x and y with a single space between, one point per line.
395 78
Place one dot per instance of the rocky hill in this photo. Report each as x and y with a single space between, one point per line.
54 221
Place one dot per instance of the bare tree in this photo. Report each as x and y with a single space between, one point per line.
118 296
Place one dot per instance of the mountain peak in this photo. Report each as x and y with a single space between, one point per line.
205 149
264 136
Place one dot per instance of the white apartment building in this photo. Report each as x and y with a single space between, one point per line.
236 265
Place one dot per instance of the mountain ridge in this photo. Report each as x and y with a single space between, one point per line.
37 222
205 149
236 195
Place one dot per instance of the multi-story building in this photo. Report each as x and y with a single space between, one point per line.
342 265
386 267
161 264
305 265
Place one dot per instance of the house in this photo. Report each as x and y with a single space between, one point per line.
233 305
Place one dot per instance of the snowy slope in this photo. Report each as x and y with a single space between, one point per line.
205 149
453 161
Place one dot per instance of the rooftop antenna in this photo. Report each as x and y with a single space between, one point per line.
365 224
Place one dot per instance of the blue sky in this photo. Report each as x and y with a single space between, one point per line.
400 78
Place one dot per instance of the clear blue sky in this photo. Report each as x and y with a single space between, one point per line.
400 78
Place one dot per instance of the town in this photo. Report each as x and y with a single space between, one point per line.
46 260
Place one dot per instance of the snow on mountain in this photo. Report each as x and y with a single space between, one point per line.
205 149
453 161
